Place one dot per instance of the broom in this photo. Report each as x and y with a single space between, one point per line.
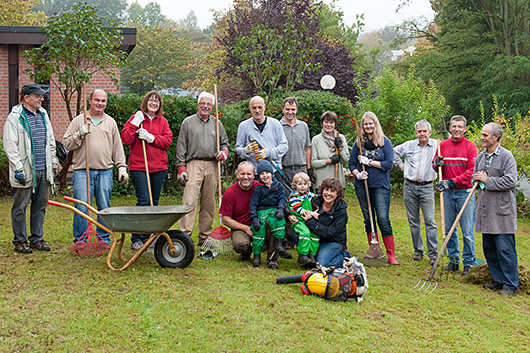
219 240
90 244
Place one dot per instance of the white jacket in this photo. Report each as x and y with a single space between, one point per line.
18 146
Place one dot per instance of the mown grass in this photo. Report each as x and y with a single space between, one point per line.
57 302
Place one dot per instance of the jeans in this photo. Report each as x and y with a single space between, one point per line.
39 201
501 255
139 180
416 197
332 254
380 202
101 187
453 201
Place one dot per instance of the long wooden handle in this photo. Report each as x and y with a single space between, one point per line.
442 210
365 184
87 168
218 150
147 171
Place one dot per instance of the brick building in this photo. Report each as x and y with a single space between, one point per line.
14 40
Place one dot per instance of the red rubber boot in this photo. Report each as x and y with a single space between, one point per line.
389 245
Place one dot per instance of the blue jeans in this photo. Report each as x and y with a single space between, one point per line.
139 181
453 201
101 187
332 254
501 255
380 202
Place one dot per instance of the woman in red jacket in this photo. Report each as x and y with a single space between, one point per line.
147 127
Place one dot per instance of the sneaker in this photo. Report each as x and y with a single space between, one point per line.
452 267
39 245
417 257
467 269
22 247
493 286
136 245
506 291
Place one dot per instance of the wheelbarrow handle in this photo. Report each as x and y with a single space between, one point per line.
88 218
71 199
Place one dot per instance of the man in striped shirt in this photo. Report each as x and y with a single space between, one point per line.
457 159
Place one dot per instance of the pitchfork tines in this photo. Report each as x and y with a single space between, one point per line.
426 284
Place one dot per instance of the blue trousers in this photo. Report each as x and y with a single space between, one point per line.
101 188
453 201
380 202
501 256
332 254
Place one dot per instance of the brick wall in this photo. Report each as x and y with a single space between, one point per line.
57 111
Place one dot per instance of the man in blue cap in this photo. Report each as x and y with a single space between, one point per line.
30 148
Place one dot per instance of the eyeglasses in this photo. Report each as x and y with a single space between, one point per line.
154 100
208 104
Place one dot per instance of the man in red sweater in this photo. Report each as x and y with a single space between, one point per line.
457 159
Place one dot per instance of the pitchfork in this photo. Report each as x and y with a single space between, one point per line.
427 283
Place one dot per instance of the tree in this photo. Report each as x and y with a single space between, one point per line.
17 13
78 45
109 9
149 16
159 60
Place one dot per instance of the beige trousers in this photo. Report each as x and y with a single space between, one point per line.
202 184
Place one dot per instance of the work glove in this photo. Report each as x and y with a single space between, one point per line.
338 142
251 147
279 214
138 118
335 159
56 170
19 175
261 154
312 176
83 130
362 175
445 184
222 156
182 176
365 160
439 161
123 177
256 224
144 135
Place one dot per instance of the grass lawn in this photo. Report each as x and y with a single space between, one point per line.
61 303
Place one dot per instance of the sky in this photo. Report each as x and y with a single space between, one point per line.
377 13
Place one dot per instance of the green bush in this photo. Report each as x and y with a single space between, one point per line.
5 186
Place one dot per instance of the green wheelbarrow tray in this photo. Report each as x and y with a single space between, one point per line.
143 219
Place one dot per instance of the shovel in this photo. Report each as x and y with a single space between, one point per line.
427 283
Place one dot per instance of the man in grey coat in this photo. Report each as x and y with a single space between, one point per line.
496 209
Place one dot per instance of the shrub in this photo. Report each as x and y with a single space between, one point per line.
5 186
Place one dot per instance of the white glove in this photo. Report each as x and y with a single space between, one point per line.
365 160
261 154
138 118
83 130
251 147
123 177
362 175
144 135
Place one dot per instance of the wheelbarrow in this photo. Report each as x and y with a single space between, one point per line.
173 248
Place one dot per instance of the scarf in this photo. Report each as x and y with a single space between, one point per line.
330 140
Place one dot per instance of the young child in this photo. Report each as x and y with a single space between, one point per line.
267 205
300 205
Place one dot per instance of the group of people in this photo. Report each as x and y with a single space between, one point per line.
286 162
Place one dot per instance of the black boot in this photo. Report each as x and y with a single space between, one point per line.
278 243
305 261
257 260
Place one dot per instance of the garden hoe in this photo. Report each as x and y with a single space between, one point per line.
427 283
219 241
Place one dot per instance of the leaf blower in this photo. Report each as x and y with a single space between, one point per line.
347 283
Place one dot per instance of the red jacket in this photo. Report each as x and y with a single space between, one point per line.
459 161
156 151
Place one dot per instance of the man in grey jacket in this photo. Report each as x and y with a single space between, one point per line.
496 209
30 148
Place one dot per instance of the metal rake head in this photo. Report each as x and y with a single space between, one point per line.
426 284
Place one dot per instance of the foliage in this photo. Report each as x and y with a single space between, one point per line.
113 10
399 101
333 27
17 13
160 60
516 134
78 45
5 185
478 49
148 16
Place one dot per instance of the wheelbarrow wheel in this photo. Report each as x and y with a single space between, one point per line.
182 243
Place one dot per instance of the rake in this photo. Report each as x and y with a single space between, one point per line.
427 283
